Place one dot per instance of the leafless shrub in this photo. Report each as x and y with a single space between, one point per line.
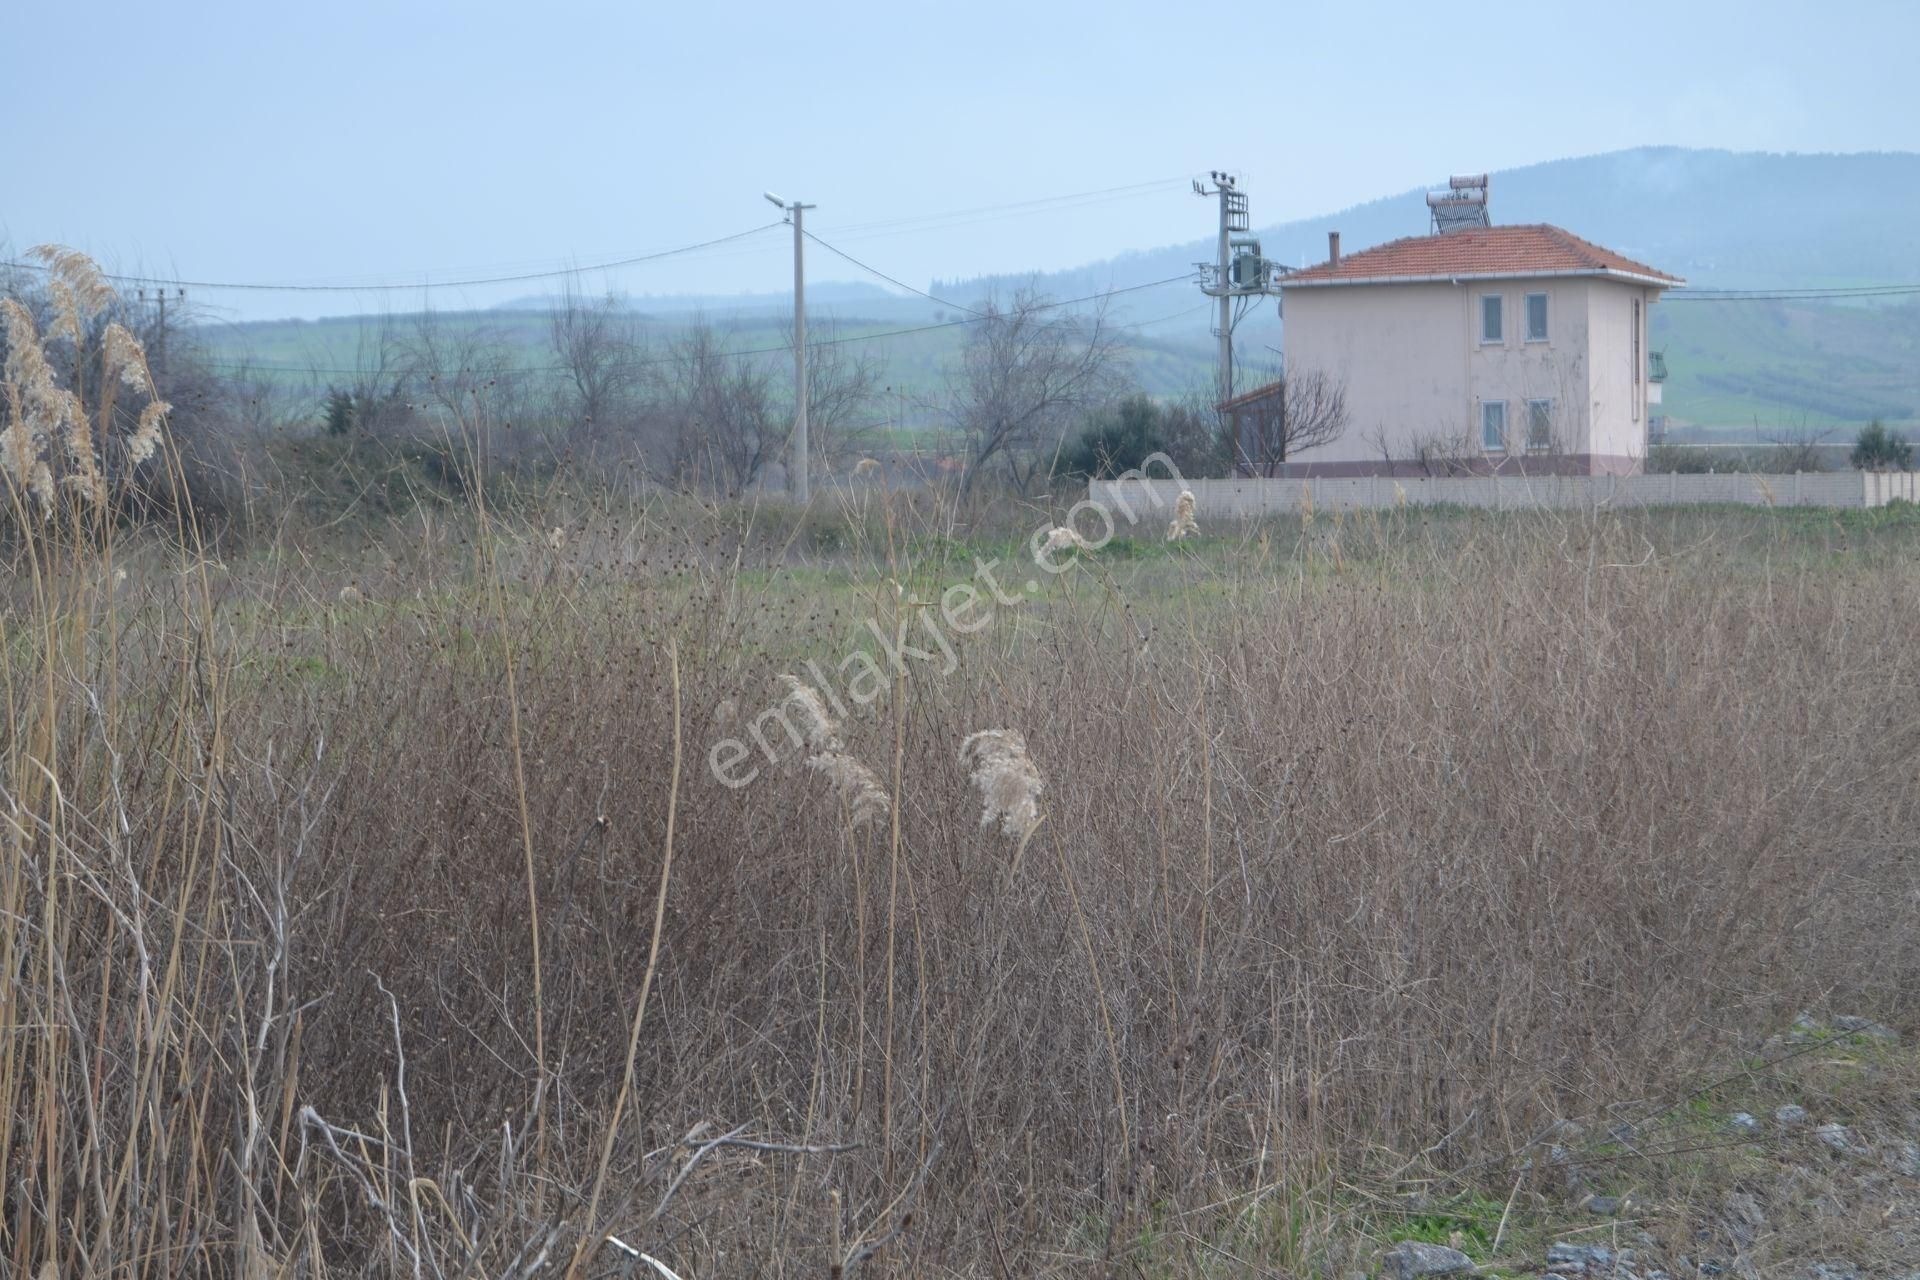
1797 448
725 421
1283 416
601 367
1438 451
376 384
843 391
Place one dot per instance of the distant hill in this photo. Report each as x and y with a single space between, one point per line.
1743 220
1735 220
1732 219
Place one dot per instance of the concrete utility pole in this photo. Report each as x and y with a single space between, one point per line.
797 465
1225 264
1233 217
1238 271
160 342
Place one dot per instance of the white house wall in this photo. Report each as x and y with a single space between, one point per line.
1619 408
1415 371
1401 353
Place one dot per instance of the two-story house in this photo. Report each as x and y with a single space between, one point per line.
1480 349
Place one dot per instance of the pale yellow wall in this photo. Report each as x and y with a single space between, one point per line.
1617 399
1414 366
1518 371
1400 350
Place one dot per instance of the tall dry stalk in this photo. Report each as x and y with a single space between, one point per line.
588 1240
1328 857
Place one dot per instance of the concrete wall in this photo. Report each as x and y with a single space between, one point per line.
1883 487
1415 370
1247 499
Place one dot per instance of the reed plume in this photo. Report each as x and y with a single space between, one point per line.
146 432
1184 525
38 407
1005 777
43 417
124 357
1060 538
856 786
820 729
77 279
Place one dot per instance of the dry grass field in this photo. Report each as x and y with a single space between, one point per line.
553 883
370 905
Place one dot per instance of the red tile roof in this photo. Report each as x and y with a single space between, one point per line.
1479 253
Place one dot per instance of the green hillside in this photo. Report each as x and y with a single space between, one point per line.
913 342
1744 369
1778 365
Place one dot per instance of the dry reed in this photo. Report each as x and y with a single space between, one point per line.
1391 864
997 763
1183 524
51 436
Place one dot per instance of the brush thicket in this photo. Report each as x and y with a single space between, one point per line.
328 887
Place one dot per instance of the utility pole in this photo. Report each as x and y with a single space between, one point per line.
160 339
1224 266
1233 217
797 466
1237 271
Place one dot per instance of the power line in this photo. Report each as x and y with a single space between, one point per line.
901 284
856 230
1811 294
1172 315
422 284
977 317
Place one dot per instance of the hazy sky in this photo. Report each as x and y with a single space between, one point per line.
363 142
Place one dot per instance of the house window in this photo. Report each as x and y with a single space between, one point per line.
1536 317
1493 426
1490 327
1539 426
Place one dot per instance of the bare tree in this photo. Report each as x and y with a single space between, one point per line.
1285 417
453 363
1796 448
601 364
1025 377
843 384
722 415
259 405
374 397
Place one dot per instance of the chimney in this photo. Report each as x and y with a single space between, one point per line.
1333 248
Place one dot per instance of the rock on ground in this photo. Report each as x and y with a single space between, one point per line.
1412 1260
